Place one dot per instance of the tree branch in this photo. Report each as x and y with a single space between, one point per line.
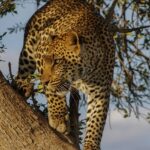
23 128
127 30
110 14
74 115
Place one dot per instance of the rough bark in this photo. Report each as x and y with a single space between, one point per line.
21 128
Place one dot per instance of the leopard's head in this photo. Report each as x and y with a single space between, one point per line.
63 63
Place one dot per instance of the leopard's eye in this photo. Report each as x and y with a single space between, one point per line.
58 61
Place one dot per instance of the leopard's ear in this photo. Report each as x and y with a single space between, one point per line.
74 42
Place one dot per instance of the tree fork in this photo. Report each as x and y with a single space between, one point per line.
21 128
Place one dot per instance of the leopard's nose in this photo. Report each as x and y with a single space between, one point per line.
46 83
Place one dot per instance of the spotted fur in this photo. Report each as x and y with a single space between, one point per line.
70 46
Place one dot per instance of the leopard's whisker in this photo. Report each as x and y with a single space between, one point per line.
62 87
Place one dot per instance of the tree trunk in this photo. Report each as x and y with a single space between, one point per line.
21 128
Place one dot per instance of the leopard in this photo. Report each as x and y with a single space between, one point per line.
71 47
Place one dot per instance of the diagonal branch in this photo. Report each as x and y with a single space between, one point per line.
74 116
127 30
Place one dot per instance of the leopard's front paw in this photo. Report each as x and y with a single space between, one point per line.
24 87
61 124
27 90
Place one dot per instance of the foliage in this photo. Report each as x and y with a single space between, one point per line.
131 85
2 47
7 6
15 28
